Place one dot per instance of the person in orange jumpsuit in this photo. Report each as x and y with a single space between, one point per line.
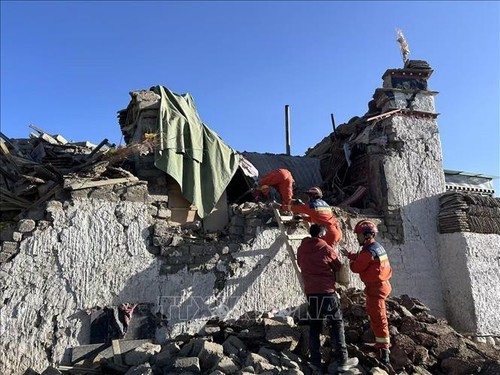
374 269
319 212
281 180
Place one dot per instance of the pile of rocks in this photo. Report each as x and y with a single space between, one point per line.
261 343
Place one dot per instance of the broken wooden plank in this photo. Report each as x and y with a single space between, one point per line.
50 193
4 148
117 354
16 202
59 138
7 174
13 196
99 146
84 370
355 197
384 115
9 158
91 184
9 143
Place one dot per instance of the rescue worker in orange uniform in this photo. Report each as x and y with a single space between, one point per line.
319 212
374 269
281 180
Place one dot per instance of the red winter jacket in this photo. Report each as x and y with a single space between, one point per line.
317 262
371 263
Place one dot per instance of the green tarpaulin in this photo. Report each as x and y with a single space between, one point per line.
191 153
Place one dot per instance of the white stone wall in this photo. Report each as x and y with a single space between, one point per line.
422 101
415 178
470 271
95 255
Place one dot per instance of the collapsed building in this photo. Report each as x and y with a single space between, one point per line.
157 239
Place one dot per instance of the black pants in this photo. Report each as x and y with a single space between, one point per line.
321 307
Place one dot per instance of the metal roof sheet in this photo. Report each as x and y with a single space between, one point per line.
305 171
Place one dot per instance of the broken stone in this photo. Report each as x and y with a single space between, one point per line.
227 365
141 354
43 224
458 366
17 236
210 354
259 363
187 364
233 345
256 333
162 359
143 369
9 249
51 371
425 339
282 335
26 225
211 330
164 213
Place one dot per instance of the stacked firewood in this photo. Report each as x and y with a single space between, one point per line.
469 212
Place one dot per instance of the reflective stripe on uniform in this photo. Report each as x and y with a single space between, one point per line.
322 209
383 339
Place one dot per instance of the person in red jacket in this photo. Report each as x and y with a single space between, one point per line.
318 262
319 212
281 180
374 269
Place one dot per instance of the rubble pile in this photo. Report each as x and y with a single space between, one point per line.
35 169
262 343
461 212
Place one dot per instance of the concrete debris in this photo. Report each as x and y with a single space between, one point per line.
259 342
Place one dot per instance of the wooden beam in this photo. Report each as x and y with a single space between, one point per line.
384 115
84 370
91 184
117 353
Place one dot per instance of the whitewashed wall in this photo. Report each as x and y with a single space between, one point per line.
470 271
95 255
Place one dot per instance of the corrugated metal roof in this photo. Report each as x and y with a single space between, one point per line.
470 174
458 180
305 171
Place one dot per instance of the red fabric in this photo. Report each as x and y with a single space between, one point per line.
371 270
322 217
317 262
376 294
282 180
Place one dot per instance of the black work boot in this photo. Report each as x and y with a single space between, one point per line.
384 355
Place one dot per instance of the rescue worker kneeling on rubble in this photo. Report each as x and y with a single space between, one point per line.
374 269
279 179
319 212
318 263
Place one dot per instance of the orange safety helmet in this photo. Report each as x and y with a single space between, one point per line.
365 227
315 191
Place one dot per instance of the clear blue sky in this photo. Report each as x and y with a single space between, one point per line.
67 67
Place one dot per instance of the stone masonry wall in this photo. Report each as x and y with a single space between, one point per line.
99 252
410 171
470 271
